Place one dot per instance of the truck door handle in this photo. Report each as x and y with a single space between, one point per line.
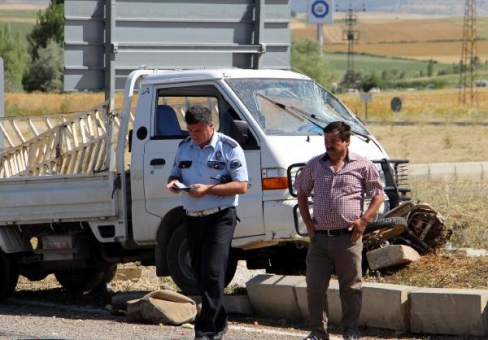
158 161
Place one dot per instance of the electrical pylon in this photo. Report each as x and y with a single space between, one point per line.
352 36
467 67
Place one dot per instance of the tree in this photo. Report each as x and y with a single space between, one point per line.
50 26
430 68
15 59
371 81
46 72
306 58
46 40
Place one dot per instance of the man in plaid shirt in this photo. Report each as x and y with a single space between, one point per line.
340 181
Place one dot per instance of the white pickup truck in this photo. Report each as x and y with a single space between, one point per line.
89 192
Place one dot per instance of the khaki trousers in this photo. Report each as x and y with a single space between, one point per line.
326 255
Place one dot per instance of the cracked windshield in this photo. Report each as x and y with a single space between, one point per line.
292 107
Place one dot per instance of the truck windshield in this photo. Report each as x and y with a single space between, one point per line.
292 107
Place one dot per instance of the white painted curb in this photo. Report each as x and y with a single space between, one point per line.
437 171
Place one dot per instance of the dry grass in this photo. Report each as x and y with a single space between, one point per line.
423 144
440 271
27 104
461 203
424 105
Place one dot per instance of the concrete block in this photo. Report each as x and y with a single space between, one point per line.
385 306
442 171
302 303
484 170
449 311
390 256
238 304
333 298
274 295
418 171
472 170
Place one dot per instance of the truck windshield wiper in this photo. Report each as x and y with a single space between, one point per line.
312 118
298 113
296 109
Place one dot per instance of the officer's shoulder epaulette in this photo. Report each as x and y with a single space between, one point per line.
230 141
186 140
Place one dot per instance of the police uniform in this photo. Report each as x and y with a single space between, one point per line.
210 221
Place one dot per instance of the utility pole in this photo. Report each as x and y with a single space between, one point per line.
352 36
467 67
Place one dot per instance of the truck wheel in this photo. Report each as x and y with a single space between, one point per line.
81 280
383 230
9 276
179 263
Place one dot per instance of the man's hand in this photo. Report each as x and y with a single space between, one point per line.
171 186
199 190
357 227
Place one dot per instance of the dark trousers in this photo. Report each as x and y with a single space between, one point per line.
209 238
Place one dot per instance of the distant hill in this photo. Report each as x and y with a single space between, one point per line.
443 7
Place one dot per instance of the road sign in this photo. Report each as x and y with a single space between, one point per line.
396 104
320 11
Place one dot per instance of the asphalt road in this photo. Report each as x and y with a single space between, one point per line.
31 319
52 314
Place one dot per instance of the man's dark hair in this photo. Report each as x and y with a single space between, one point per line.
198 114
343 128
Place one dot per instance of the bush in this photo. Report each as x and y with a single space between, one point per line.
46 72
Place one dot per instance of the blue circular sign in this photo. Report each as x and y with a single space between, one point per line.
320 9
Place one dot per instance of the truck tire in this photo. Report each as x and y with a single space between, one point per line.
179 263
85 280
383 230
9 275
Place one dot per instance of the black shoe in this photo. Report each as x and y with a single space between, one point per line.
217 336
220 335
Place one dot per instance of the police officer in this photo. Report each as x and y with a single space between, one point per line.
212 168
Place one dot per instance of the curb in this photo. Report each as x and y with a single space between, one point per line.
438 171
460 312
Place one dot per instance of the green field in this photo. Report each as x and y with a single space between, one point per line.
21 21
368 63
17 14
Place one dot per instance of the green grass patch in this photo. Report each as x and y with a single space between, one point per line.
378 64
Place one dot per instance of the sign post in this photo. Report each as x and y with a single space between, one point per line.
366 98
320 12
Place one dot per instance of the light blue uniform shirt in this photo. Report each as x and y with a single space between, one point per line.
223 156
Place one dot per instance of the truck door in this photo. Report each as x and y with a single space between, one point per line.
159 152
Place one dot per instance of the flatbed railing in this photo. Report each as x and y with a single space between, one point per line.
61 144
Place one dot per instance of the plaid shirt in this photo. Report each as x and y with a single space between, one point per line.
338 196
